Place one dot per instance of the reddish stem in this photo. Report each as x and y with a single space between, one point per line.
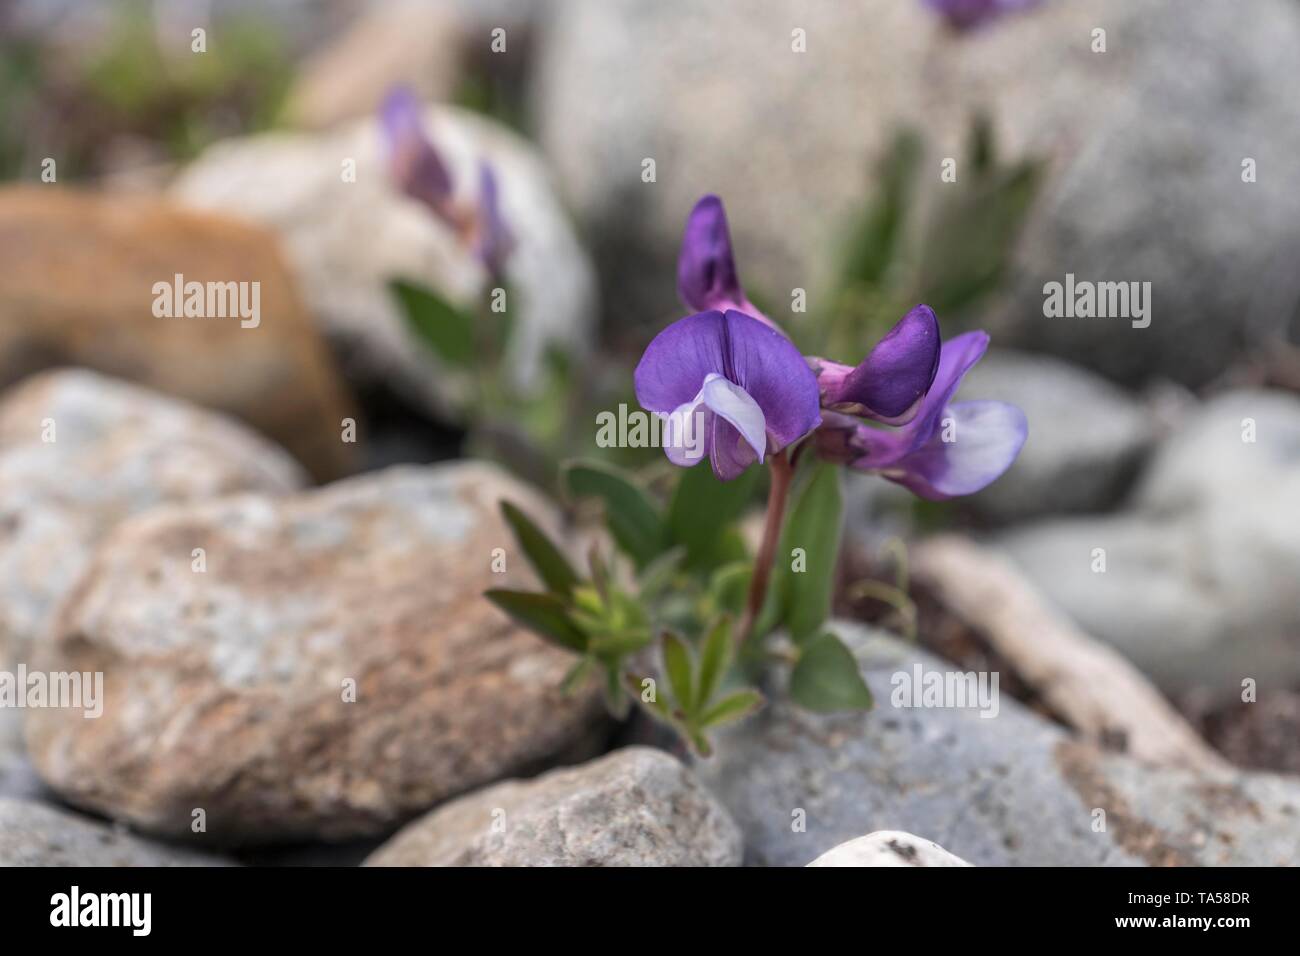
782 472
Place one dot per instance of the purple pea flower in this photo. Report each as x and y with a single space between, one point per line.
948 449
413 162
968 14
730 387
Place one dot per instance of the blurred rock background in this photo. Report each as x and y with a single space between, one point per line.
1127 164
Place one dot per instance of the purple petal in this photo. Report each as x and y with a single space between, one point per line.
984 439
892 379
766 365
676 362
967 14
706 267
415 165
494 240
729 453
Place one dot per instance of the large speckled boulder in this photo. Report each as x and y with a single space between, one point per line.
332 669
634 807
347 239
34 834
1008 789
80 452
1144 145
78 289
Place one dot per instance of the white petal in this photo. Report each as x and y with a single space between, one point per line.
733 403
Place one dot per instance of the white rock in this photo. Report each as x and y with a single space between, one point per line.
348 239
888 848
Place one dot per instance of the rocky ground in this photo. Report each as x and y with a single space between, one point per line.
298 665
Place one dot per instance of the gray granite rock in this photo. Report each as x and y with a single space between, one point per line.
331 672
1012 789
1199 579
633 807
1144 145
34 834
79 452
348 239
888 848
1086 436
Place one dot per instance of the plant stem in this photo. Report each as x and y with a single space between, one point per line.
782 473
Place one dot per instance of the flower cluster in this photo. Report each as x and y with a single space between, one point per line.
420 172
732 371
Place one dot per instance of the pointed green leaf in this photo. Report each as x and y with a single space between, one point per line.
731 708
448 330
658 574
877 236
729 586
702 509
804 575
543 614
677 664
577 676
972 235
632 517
827 678
547 560
715 658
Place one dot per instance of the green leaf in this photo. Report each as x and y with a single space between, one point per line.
577 676
547 560
731 708
616 702
813 525
448 330
729 586
544 614
632 517
715 658
658 575
701 510
826 678
677 664
877 236
972 234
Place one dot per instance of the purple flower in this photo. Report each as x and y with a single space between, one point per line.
493 240
413 163
706 267
891 381
947 450
729 387
968 14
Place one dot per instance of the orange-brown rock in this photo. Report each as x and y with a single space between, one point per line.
78 288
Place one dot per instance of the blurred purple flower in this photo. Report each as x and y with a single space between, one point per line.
413 162
729 387
890 382
420 173
706 266
947 450
493 240
968 14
